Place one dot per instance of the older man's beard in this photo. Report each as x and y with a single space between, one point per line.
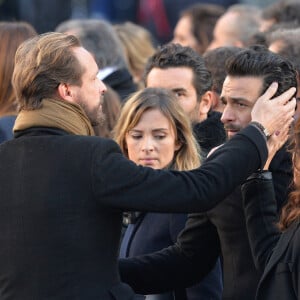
99 118
96 116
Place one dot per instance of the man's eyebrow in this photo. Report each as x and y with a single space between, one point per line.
235 99
179 90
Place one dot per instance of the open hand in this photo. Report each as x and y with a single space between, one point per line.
278 112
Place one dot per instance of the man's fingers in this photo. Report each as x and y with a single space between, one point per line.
273 113
285 96
270 92
290 107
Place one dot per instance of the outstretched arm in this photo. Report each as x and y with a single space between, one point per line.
178 266
200 189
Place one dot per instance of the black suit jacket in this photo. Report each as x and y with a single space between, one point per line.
275 253
221 231
61 203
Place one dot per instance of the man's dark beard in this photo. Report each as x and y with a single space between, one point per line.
231 127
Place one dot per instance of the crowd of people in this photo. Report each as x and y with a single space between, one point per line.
132 170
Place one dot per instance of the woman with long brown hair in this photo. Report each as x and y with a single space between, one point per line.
275 243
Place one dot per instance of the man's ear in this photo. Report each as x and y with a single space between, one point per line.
205 105
65 92
215 100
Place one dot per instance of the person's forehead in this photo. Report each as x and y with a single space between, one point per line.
155 119
85 58
249 87
184 21
276 46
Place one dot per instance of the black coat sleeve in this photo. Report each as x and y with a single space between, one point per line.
281 168
261 218
120 184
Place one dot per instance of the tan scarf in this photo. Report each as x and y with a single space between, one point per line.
58 114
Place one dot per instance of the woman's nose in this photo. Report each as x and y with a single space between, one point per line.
147 144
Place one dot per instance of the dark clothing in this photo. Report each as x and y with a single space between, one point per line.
221 231
275 253
38 12
154 231
121 81
6 126
61 204
210 133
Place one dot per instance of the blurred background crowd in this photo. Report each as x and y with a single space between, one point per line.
158 16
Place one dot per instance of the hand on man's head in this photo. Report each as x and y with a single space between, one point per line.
275 114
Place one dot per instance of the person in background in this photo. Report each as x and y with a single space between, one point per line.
275 245
285 42
182 70
138 45
196 25
12 34
100 38
280 12
215 61
154 131
236 27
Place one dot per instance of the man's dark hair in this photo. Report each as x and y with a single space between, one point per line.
215 61
175 55
258 61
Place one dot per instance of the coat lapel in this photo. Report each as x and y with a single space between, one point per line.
280 248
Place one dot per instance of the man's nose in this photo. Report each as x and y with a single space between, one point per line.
102 87
227 115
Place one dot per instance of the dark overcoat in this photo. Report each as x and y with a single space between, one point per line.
61 203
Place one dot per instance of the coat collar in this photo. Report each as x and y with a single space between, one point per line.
37 131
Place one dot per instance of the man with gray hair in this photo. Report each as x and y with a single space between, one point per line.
236 26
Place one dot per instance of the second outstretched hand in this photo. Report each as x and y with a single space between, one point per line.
277 113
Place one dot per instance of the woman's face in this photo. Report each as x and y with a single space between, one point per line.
152 142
